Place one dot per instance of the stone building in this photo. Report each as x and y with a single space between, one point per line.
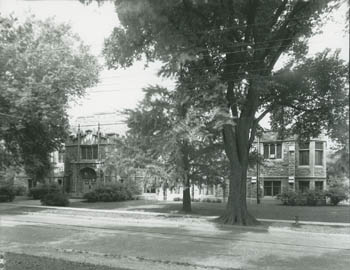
85 153
288 163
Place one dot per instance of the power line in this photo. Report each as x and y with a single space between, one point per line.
230 46
204 76
99 124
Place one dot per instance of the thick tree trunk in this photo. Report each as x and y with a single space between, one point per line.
237 151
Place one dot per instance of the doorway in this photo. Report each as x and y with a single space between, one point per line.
89 177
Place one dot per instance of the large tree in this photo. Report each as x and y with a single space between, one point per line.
233 42
43 66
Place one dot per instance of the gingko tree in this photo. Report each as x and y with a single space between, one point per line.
43 66
232 45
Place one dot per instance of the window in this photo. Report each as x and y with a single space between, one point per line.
304 186
89 152
318 153
60 157
272 188
273 150
319 185
304 153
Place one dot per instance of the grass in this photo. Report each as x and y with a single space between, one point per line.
268 209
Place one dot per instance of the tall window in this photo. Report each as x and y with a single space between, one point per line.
89 152
273 150
318 153
319 185
60 157
304 153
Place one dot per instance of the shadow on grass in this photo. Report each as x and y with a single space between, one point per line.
269 209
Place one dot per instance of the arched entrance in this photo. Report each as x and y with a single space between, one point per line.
89 179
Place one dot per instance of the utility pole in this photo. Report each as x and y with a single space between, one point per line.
257 173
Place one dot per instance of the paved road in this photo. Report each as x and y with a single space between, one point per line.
125 241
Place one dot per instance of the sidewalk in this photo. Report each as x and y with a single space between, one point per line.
35 204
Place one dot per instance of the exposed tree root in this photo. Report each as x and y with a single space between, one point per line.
231 219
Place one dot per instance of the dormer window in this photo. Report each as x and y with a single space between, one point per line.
273 150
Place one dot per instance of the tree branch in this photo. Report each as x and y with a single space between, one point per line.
278 13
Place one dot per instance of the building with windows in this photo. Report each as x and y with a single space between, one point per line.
288 163
85 153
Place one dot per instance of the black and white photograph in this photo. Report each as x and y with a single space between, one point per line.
174 135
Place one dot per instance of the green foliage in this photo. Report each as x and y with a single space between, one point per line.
43 65
312 96
7 193
310 197
55 199
20 190
41 190
113 192
315 197
337 193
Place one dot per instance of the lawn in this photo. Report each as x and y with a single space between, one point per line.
268 209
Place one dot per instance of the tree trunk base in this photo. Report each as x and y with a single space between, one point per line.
186 201
231 219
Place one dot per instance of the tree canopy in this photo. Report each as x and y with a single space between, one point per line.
43 66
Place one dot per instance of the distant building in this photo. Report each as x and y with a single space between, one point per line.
85 153
287 163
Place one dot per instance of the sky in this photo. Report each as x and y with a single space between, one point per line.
121 89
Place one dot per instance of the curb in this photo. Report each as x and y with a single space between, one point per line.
300 222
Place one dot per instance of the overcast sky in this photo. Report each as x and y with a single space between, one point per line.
122 88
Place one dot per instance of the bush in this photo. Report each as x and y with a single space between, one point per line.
177 199
112 192
41 190
336 194
55 199
288 197
311 197
20 190
315 197
7 193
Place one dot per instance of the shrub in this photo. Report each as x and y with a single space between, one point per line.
315 197
177 199
311 197
112 192
20 190
288 197
7 193
336 194
41 190
55 199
